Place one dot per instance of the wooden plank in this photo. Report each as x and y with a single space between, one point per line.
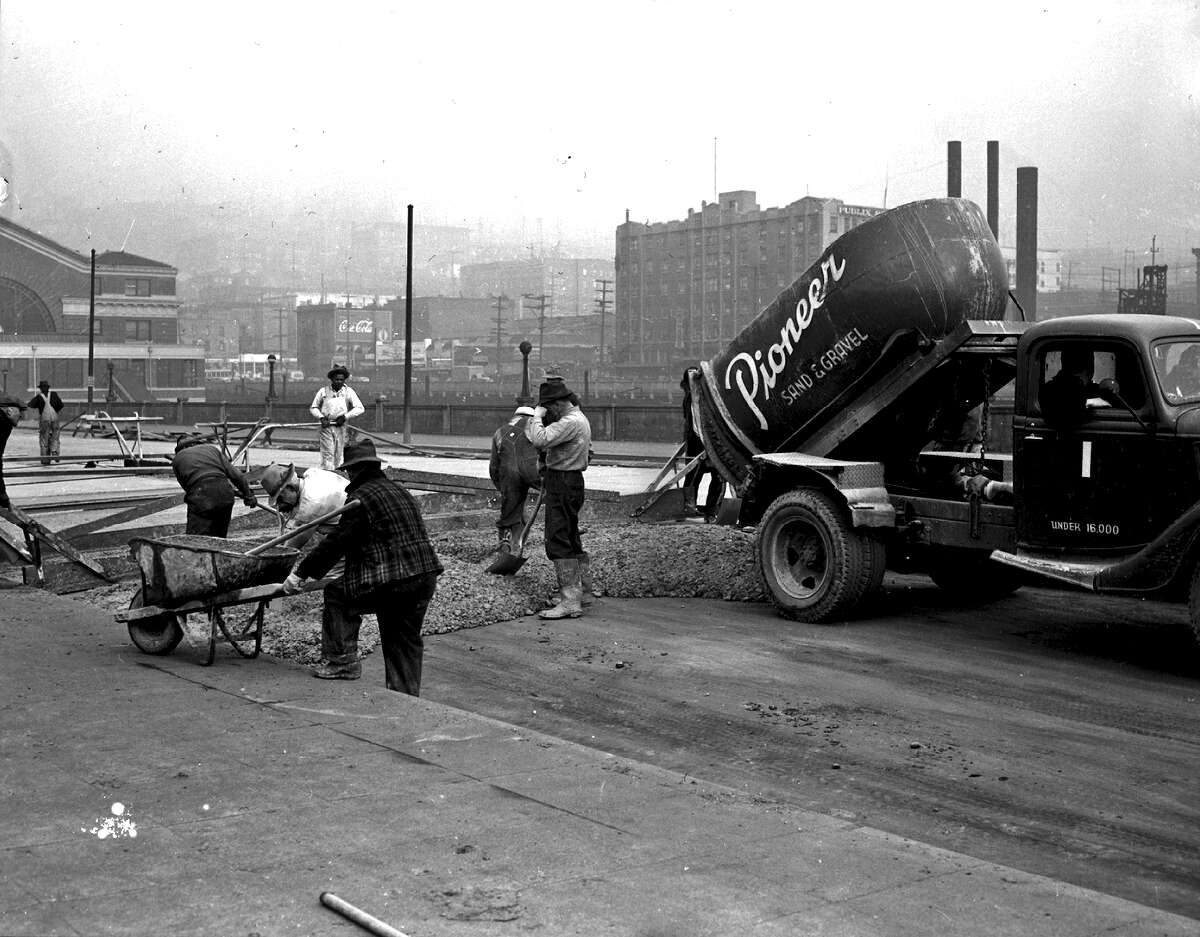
121 517
32 527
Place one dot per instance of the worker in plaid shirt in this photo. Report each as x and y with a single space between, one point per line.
391 570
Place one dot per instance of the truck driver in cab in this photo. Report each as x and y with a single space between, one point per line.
1064 398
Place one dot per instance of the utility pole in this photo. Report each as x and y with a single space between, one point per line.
501 302
540 299
602 304
1196 254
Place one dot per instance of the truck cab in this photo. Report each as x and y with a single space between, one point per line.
1106 492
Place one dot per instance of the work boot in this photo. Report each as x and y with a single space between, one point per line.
329 671
570 589
585 580
689 500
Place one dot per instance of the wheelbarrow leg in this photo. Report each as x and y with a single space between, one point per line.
254 621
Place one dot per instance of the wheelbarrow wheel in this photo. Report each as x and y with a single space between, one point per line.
158 635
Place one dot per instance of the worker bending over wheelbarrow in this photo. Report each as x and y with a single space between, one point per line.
391 569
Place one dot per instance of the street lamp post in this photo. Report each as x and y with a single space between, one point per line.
270 383
525 399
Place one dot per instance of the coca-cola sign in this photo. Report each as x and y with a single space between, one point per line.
356 331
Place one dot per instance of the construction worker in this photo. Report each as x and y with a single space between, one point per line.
49 405
334 406
208 479
514 470
301 500
10 415
391 570
561 432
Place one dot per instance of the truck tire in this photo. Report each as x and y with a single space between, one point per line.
812 563
970 576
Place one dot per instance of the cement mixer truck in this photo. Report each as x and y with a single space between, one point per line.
851 417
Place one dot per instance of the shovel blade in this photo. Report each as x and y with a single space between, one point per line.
506 565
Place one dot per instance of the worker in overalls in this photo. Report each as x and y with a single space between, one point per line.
334 406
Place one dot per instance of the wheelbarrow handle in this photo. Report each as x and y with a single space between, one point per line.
291 534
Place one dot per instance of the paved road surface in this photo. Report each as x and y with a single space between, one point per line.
1053 732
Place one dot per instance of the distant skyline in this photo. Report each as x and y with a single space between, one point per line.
565 116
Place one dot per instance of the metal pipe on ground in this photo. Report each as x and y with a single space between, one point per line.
358 916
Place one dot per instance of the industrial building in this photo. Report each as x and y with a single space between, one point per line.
45 306
685 288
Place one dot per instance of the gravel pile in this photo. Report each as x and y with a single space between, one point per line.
628 561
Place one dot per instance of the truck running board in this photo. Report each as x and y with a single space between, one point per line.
1078 572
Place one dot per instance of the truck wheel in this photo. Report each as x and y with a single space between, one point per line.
158 635
970 576
813 564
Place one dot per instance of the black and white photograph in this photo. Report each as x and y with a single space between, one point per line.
648 468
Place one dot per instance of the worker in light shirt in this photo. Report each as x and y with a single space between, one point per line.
562 434
334 406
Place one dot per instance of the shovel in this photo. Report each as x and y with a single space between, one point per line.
508 563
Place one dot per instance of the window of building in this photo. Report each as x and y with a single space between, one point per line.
137 330
137 287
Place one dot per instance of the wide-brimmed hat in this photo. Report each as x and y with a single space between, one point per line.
359 453
344 372
43 383
7 400
551 391
275 476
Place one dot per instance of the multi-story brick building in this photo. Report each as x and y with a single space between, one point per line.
685 288
45 306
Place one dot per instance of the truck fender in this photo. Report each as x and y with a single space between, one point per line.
857 487
1169 559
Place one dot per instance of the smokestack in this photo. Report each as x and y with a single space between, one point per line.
1027 207
954 169
993 187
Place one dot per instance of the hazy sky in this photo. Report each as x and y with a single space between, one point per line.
573 113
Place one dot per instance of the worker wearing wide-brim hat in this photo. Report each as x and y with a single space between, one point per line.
390 570
301 499
561 432
333 406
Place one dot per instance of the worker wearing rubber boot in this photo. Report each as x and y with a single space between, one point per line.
334 406
514 470
561 432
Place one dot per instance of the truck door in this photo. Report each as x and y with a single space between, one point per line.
1083 462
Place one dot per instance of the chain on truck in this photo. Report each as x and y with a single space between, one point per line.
851 418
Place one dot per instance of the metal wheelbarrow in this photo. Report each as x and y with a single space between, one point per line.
186 573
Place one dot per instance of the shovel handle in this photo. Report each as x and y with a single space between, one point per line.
537 506
283 538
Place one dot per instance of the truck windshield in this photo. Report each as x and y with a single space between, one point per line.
1177 365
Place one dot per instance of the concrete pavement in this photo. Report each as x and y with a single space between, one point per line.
252 788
